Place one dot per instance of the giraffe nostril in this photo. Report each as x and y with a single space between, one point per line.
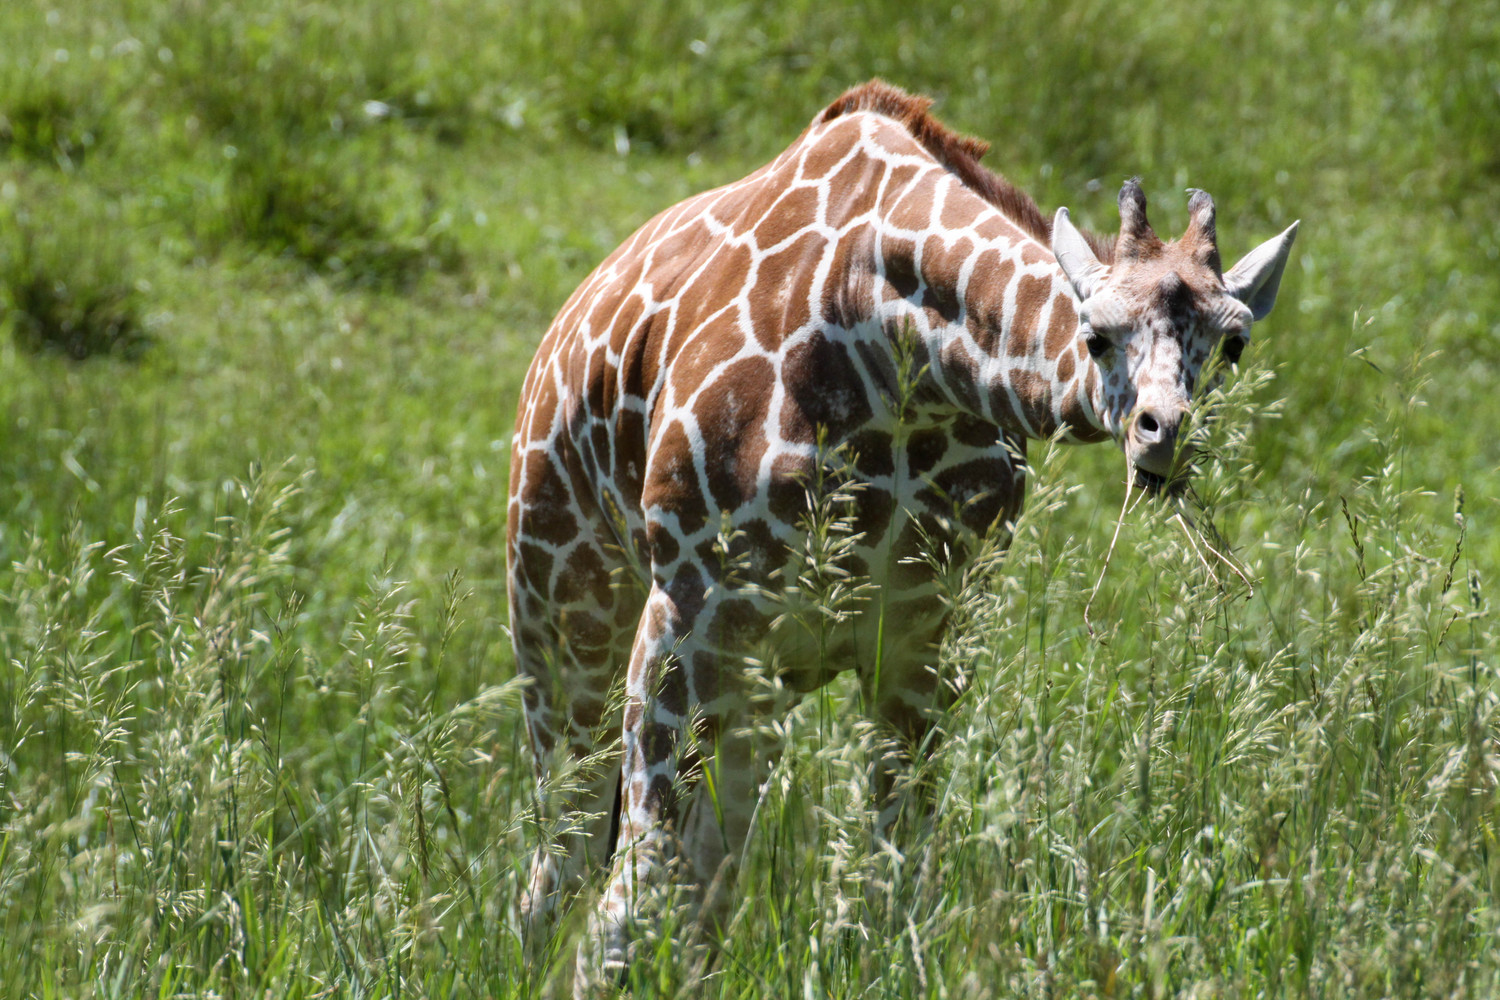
1147 426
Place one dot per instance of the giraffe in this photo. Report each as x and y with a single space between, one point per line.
871 289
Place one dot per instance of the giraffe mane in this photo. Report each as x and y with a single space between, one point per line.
958 153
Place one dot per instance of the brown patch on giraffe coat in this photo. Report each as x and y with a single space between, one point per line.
584 576
1032 254
597 314
532 699
908 569
657 741
671 485
701 297
974 432
958 209
1065 373
941 304
534 604
851 277
779 300
821 158
600 450
625 322
635 792
640 365
870 449
592 657
912 207
960 373
588 630
1030 388
791 215
710 346
1062 327
687 590
786 492
598 311
900 268
1082 431
546 500
852 191
1032 296
706 669
580 478
542 411
873 508
588 463
924 449
875 358
736 625
753 552
672 689
587 711
655 627
822 389
661 797
628 603
943 260
676 252
731 411
598 382
900 180
764 551
994 229
533 565
662 542
629 457
743 210
986 298
960 484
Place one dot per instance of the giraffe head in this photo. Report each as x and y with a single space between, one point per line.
1155 315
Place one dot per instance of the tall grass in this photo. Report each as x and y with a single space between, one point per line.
258 733
168 823
1281 784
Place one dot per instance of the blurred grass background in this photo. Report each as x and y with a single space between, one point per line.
270 276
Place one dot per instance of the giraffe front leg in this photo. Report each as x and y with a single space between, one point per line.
907 703
654 719
692 772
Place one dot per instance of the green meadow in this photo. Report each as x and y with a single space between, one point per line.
270 276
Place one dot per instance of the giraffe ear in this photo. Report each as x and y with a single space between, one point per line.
1076 258
1257 277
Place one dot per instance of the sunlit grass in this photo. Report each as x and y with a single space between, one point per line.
257 728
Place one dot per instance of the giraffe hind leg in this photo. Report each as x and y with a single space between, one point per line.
573 656
694 762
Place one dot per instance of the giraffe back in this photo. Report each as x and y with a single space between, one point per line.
700 365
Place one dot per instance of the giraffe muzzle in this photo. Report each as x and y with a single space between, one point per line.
1158 456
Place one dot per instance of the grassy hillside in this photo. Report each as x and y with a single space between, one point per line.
270 275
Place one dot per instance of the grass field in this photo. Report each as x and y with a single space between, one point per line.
270 276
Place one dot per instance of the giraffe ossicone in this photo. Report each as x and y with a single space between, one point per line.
871 292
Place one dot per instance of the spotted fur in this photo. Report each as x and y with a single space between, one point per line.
872 294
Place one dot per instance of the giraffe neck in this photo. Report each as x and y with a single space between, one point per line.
994 320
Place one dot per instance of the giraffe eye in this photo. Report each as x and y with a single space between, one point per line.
1097 345
1233 348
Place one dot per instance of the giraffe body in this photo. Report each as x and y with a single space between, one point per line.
871 293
